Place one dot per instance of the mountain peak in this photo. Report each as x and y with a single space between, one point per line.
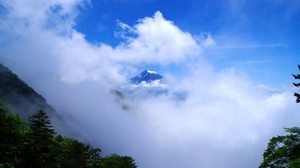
147 76
150 71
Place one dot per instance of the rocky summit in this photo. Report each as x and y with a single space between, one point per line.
147 76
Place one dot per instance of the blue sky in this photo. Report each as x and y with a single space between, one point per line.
260 38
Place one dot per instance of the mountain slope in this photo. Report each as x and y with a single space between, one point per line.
19 96
146 76
21 99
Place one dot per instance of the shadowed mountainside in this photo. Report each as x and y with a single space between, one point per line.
23 100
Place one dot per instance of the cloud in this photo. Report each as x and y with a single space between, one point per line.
225 120
151 40
156 40
223 116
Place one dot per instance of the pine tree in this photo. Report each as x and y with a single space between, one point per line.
11 127
284 151
117 161
297 76
41 126
39 147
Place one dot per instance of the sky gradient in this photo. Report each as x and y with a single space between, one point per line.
232 59
258 37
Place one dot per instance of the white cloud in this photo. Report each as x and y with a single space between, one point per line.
225 120
41 13
206 40
158 41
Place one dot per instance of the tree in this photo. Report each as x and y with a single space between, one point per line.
39 145
116 161
75 154
11 127
94 157
297 76
283 151
41 126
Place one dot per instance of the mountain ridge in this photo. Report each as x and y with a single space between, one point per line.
23 100
147 76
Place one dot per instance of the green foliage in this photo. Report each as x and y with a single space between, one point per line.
295 163
11 128
76 154
41 127
10 82
283 151
297 77
116 161
19 97
37 146
3 107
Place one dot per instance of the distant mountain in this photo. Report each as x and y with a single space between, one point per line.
146 84
147 76
21 99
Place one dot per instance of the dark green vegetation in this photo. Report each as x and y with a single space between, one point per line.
38 146
297 77
21 99
17 95
28 140
284 151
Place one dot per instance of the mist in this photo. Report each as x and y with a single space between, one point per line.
225 120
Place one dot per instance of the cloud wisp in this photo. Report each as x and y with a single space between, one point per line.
225 120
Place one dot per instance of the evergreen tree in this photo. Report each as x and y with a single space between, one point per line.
11 127
284 151
35 144
297 76
76 154
116 161
39 146
41 126
73 154
95 159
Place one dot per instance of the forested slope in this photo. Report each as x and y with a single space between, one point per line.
29 140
